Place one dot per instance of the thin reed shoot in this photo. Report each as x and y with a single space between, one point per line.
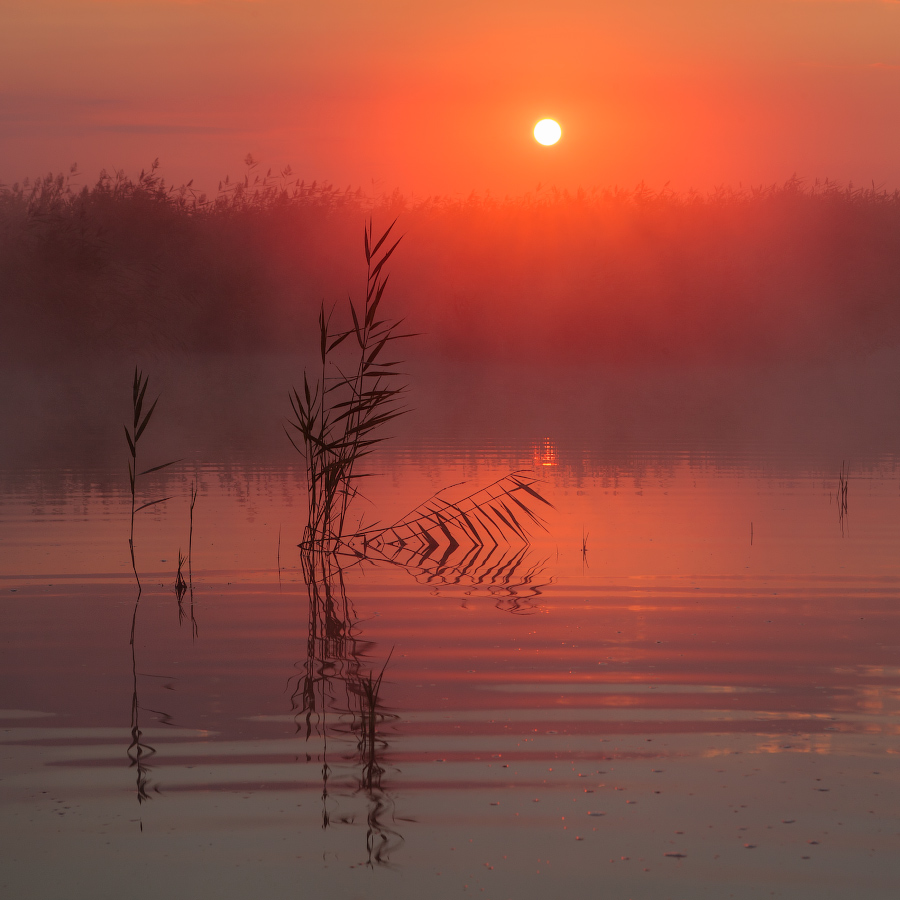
133 437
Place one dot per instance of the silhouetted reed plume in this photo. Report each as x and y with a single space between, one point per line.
337 417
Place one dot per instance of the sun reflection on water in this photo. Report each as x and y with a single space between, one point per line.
546 453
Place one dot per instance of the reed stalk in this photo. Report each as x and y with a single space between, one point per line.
138 427
338 416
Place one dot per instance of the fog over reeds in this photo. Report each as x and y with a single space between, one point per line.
762 314
797 270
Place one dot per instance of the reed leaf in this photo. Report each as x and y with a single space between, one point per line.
152 503
143 425
163 466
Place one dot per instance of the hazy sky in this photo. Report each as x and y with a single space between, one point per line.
441 97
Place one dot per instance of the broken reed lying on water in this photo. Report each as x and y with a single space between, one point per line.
338 419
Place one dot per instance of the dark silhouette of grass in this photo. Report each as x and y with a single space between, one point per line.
606 276
338 418
138 427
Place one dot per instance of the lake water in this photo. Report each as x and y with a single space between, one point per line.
688 686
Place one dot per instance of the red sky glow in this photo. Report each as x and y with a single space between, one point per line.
434 98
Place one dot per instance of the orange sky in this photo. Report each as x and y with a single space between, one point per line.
430 97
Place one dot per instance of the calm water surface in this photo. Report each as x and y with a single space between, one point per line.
702 703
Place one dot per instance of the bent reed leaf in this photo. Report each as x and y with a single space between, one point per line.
143 425
152 503
163 466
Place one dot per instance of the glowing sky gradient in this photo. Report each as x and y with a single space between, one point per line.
442 97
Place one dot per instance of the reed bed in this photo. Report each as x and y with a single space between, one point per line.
606 275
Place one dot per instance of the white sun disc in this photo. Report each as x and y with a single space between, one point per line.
547 132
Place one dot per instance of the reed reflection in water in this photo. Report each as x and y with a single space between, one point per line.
337 694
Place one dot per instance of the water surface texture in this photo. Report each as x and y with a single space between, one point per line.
687 686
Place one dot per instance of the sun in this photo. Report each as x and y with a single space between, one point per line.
547 132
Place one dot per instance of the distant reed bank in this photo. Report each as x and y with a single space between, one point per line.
791 271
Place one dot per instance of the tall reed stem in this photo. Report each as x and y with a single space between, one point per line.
339 415
138 426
